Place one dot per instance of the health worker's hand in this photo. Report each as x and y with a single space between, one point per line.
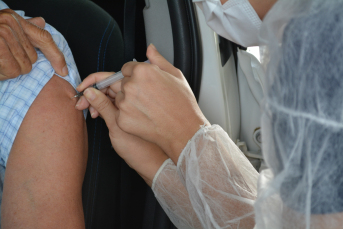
144 157
156 104
18 40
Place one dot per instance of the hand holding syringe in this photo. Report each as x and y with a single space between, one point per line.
107 82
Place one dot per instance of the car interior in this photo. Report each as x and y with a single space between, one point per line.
105 34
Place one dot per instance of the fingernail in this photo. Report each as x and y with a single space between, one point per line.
153 46
91 110
65 70
89 94
78 103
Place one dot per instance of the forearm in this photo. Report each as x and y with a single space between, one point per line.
142 156
150 162
221 182
216 186
173 197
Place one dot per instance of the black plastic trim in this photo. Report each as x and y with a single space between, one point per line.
235 48
225 48
187 42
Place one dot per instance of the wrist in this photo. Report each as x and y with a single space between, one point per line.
156 177
150 174
149 166
174 147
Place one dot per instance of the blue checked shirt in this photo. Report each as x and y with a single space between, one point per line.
17 95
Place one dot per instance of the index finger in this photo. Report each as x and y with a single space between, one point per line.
11 18
42 39
127 68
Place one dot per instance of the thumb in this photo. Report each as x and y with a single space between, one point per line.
100 102
38 21
156 58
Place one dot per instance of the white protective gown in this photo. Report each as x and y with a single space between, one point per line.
214 185
302 122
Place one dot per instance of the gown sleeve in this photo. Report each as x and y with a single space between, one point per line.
213 185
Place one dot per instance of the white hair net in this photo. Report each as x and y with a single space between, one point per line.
302 124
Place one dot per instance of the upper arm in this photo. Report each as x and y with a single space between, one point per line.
46 166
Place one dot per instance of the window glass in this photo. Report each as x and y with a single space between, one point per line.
255 50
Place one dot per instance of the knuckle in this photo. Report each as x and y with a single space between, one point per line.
14 72
27 67
33 57
9 67
152 71
59 57
128 87
154 67
138 69
119 103
45 36
103 104
5 30
7 11
10 19
7 16
124 67
6 33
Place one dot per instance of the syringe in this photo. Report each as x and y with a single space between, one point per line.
108 81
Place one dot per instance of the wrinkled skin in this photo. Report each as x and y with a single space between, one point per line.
18 40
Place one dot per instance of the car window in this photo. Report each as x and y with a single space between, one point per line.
255 50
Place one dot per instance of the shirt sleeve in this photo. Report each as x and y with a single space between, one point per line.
213 186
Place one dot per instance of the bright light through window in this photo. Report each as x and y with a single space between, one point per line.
255 50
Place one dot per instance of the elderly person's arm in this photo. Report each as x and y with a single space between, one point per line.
46 166
43 139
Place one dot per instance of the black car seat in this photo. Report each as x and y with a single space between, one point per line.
114 196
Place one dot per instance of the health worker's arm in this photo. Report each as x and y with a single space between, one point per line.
213 181
220 182
144 157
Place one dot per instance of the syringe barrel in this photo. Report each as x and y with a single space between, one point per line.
110 80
